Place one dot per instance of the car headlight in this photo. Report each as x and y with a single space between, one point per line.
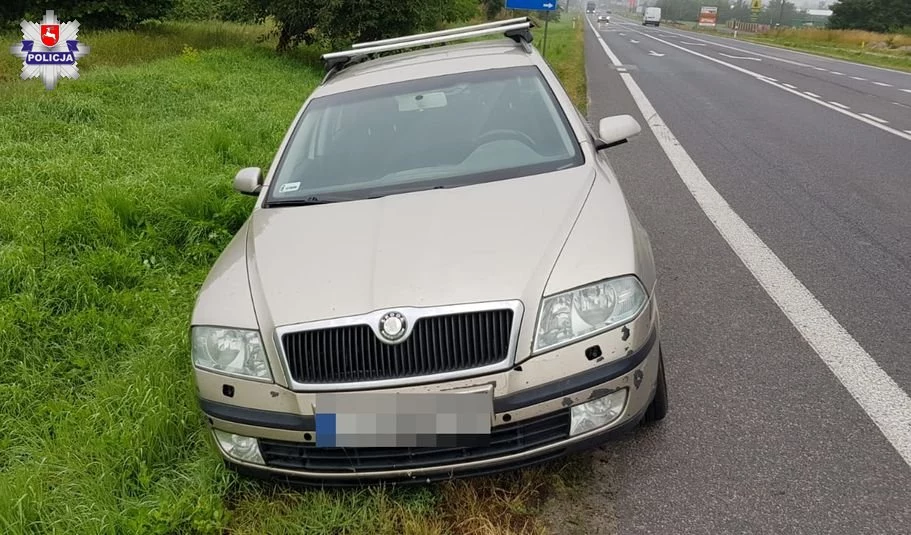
588 310
231 351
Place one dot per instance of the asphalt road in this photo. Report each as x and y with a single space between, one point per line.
814 156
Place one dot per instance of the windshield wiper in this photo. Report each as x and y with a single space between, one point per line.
309 201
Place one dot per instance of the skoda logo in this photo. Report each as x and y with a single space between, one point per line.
392 326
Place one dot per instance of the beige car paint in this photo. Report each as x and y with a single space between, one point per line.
549 366
515 239
485 242
637 398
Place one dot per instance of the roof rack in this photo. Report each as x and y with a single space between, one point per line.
519 30
451 31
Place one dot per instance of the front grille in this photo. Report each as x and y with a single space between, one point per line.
504 440
437 344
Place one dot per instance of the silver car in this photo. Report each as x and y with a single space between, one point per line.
441 276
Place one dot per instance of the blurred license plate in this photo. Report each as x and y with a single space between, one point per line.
383 420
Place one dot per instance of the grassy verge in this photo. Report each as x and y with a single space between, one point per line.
869 48
116 201
565 53
881 50
153 41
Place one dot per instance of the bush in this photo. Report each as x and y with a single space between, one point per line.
340 21
229 10
96 14
871 15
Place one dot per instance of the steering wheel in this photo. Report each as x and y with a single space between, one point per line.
499 134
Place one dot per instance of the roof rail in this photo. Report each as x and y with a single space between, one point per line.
451 31
519 30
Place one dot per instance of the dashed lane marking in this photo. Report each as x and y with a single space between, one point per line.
875 118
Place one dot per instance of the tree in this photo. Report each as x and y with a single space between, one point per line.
233 10
784 15
98 14
340 21
12 12
871 15
492 8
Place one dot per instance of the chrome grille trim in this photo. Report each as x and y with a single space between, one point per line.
412 315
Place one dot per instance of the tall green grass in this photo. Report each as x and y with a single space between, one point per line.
116 199
115 202
565 53
154 40
881 50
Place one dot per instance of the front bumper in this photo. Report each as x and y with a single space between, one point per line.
530 424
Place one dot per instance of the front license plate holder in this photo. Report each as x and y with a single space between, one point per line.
403 419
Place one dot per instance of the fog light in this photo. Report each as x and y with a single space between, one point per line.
239 447
597 413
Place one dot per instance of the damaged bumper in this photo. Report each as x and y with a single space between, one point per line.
536 409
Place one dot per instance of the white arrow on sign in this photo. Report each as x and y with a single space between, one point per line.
653 53
548 6
739 57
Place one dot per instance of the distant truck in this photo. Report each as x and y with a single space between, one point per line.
652 16
590 7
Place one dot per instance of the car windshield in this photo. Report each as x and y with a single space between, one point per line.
438 132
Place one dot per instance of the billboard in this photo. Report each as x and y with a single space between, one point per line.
708 15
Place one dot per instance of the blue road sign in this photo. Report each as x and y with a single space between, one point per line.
532 5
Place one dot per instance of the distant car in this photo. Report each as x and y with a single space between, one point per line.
604 17
441 276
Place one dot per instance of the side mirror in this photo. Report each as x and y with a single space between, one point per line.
249 180
617 130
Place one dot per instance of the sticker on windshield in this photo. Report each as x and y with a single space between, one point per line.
290 186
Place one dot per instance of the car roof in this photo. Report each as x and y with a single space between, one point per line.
430 62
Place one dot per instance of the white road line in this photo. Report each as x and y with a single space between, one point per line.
908 131
905 90
814 95
736 49
877 393
809 55
691 44
862 79
740 57
875 118
789 85
837 73
884 84
634 41
765 79
839 104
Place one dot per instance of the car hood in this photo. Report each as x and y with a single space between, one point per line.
484 242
